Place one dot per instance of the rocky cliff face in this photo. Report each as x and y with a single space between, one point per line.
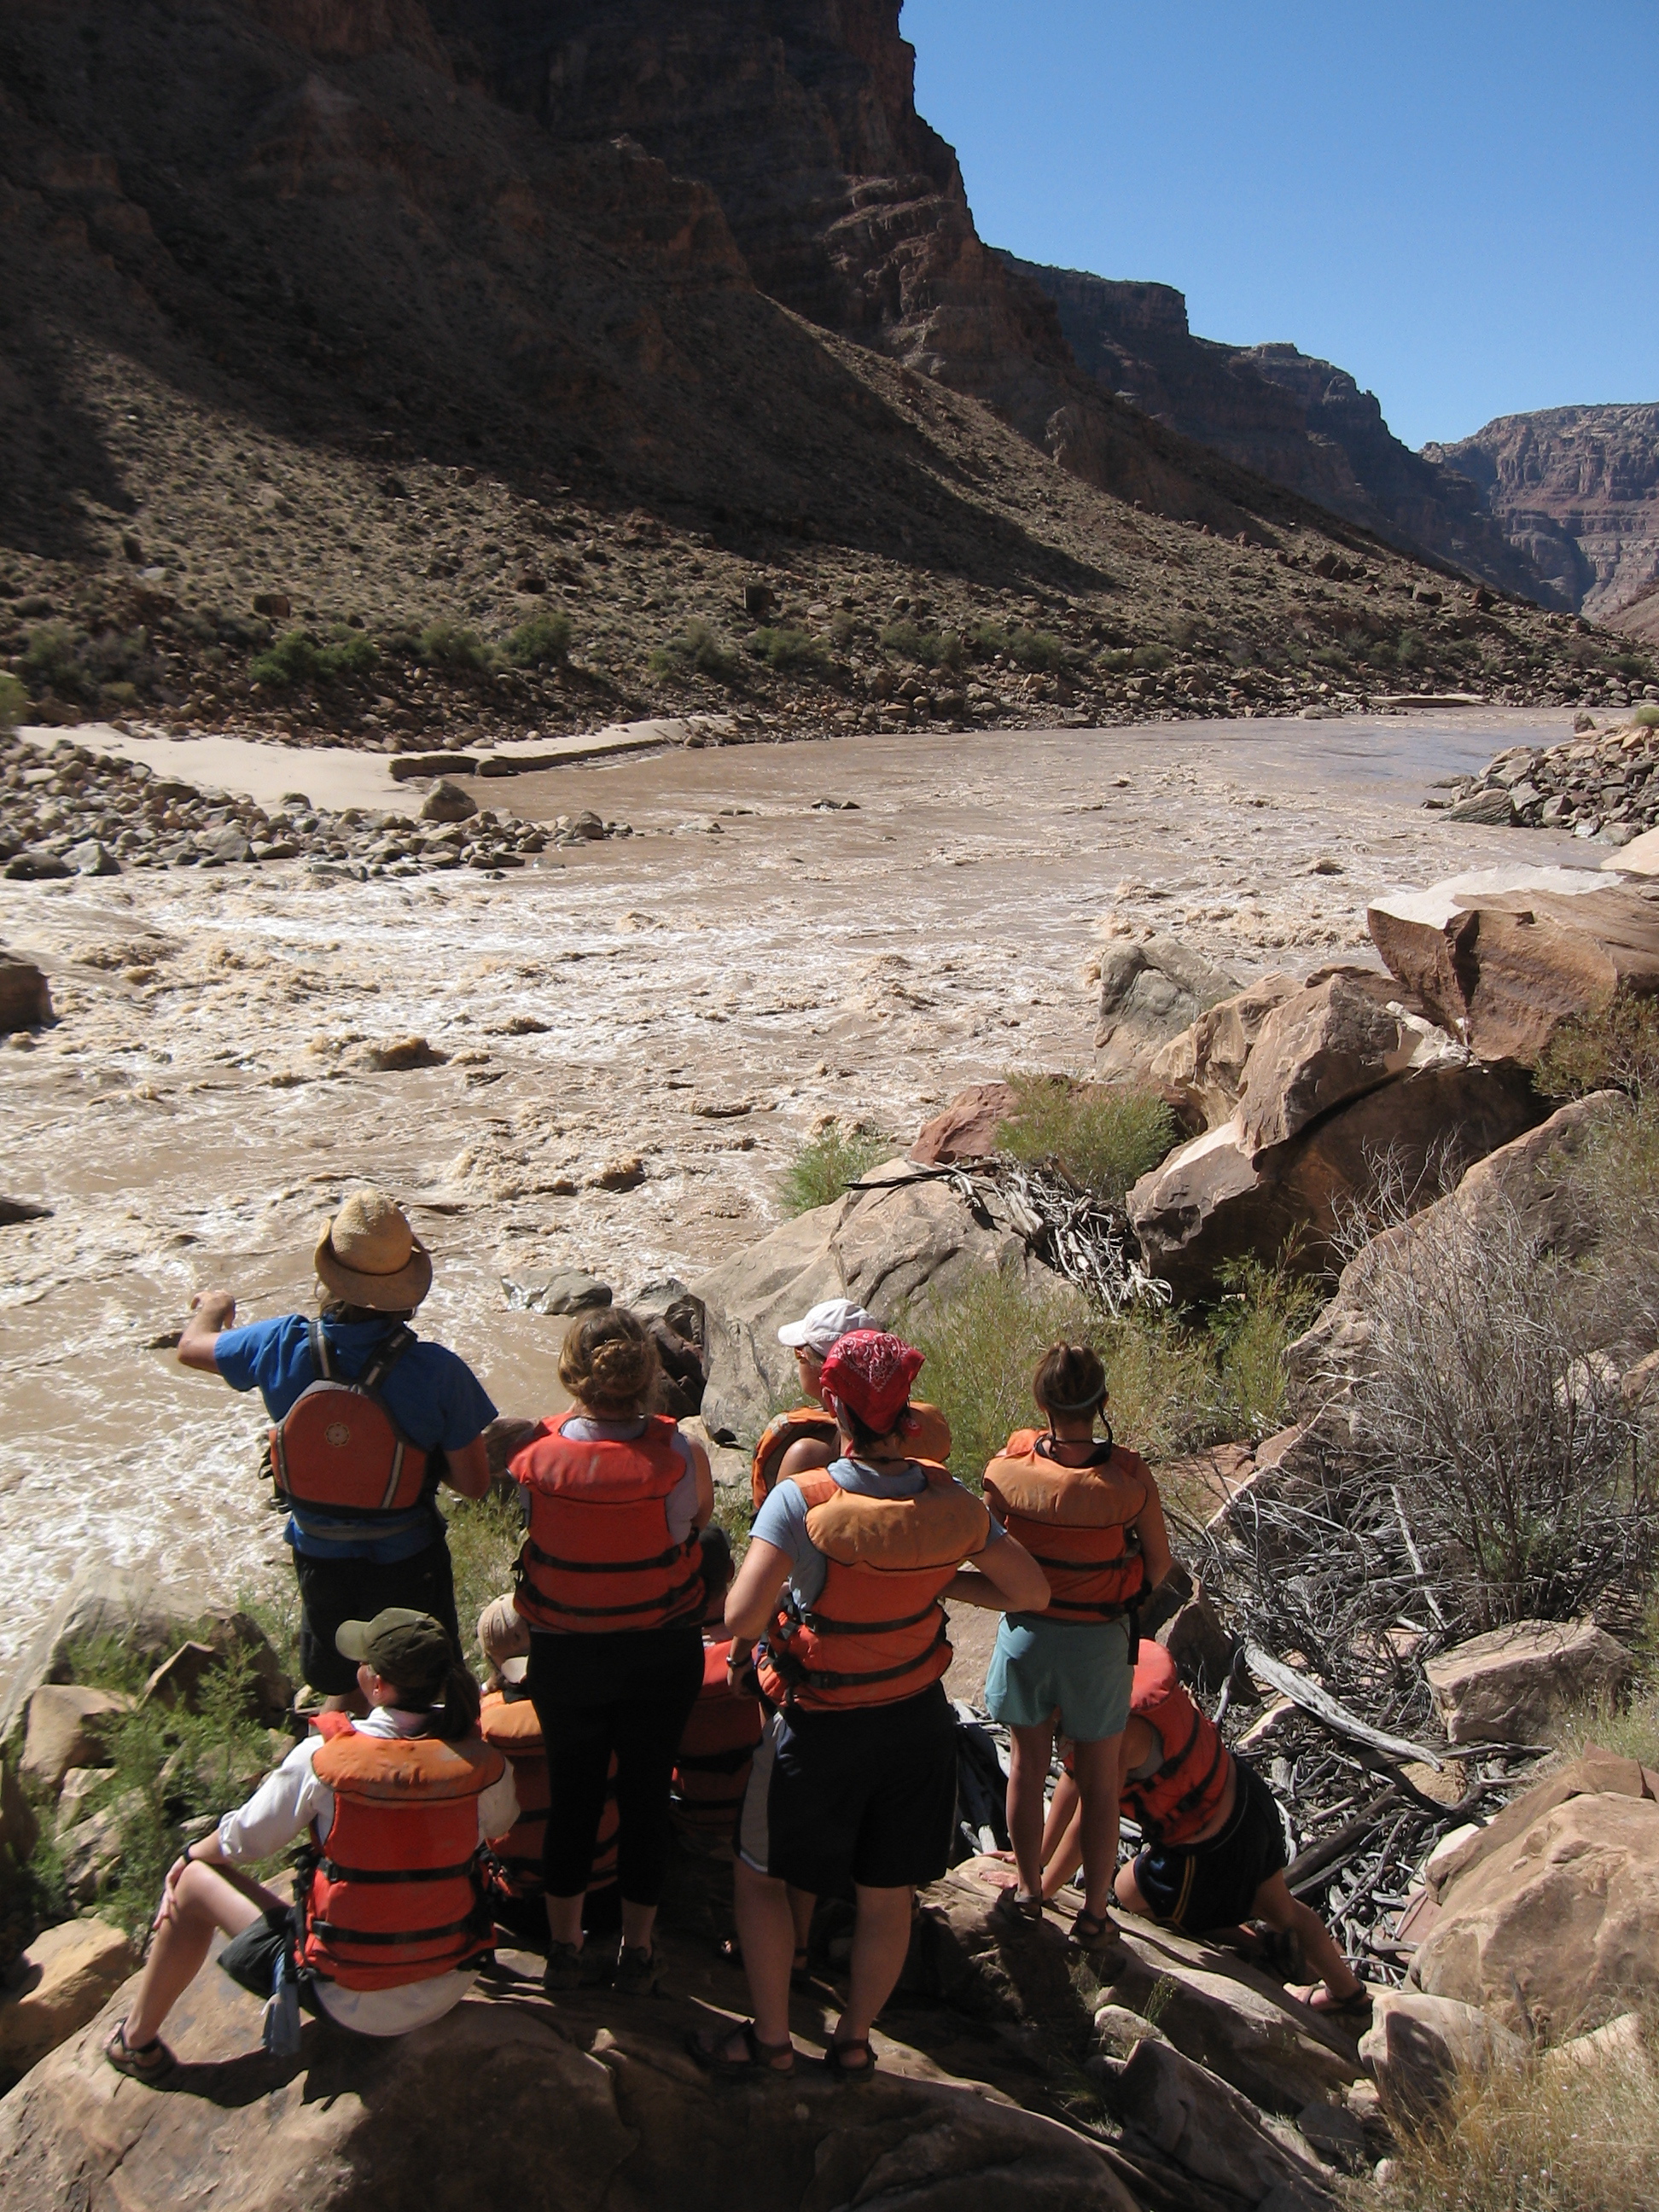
847 207
1301 421
1577 488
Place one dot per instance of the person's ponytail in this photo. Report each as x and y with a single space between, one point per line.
457 1716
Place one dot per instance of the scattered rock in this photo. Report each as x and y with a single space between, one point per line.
570 1291
102 1602
967 1128
626 1172
1201 1646
15 1210
62 1981
229 1638
448 802
1552 1917
1416 2046
1512 1685
1149 992
90 859
1620 2046
25 998
93 1849
1337 2133
67 1723
276 605
399 1054
1208 2128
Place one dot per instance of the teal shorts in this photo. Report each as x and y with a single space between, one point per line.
1080 1669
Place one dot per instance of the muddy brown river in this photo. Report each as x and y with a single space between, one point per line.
698 997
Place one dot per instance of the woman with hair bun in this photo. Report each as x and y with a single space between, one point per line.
610 1579
1088 1512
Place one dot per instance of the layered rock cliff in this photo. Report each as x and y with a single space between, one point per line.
1577 490
1302 422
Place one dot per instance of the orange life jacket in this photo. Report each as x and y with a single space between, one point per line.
1075 1522
510 1724
599 1557
711 1768
877 1631
1183 1795
337 1448
929 1433
396 1892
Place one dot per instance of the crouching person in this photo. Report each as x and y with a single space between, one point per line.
856 1778
1213 1854
393 1924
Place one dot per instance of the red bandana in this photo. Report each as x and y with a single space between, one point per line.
872 1372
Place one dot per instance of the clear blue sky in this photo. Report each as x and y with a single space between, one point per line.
1458 203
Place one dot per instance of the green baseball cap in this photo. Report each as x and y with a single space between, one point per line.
409 1648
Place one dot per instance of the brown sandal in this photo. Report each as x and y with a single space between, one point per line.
711 2056
836 2066
151 2062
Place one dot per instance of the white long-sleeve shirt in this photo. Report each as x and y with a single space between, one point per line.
292 1800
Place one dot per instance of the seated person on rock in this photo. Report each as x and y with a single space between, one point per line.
369 1421
1089 1513
805 1439
856 1778
1212 1855
393 1924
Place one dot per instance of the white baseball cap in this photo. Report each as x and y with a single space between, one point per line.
822 1329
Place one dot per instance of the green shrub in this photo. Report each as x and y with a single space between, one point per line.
1628 1729
542 640
844 628
1634 666
1647 716
1104 1138
928 648
483 1540
981 1350
448 645
1409 652
989 638
1262 1310
698 647
14 703
1149 659
1614 1047
299 657
823 1167
1038 649
789 652
51 662
1114 659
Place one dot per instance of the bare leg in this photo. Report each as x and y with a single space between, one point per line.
881 1939
200 1906
802 1905
1127 1892
1275 1904
1028 1774
1062 1837
767 1933
564 1917
1096 1781
637 1921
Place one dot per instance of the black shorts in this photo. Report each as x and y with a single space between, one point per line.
336 1590
252 1958
868 1796
1214 1884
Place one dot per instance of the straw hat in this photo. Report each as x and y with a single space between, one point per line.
368 1255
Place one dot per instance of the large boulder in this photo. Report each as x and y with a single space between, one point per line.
1549 1917
1503 963
1512 1685
67 1726
64 1978
25 997
1207 2128
590 2106
1526 1175
907 1241
1344 1034
1224 1196
1201 1071
1416 2047
967 1128
1150 992
102 1605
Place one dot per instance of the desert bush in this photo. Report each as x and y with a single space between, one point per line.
928 648
1409 649
1114 659
1532 2139
1261 1310
1103 1137
13 703
1634 666
450 644
299 657
826 1163
1150 659
789 652
483 1540
1039 650
1486 1409
844 628
1647 717
540 642
51 662
698 647
1616 1047
1629 1727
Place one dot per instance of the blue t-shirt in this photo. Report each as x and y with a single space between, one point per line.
782 1519
433 1395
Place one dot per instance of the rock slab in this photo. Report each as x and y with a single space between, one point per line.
1512 1685
66 1727
1416 2045
62 1980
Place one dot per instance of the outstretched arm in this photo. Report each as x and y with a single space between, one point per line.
211 1312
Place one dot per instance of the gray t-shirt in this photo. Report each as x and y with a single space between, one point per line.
782 1520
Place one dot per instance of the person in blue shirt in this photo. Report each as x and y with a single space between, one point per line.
373 1272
